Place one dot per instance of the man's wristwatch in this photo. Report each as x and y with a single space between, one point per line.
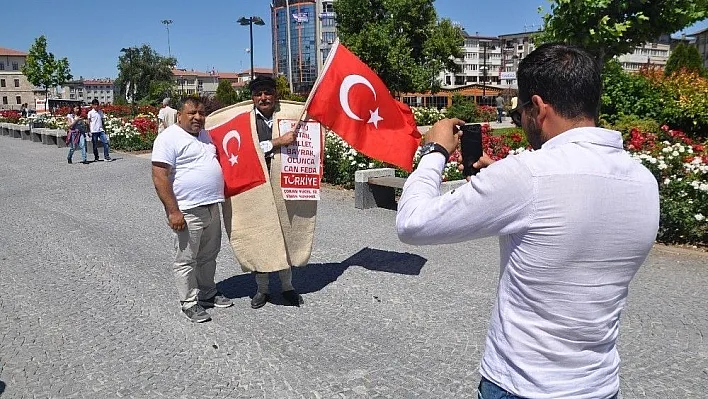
431 147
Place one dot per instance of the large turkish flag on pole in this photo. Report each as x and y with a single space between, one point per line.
351 100
238 157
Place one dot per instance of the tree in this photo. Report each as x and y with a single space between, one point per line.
283 89
608 28
225 93
142 72
42 69
401 40
684 57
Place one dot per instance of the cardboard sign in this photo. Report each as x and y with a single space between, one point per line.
301 161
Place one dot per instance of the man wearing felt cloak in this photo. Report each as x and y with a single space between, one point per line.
267 233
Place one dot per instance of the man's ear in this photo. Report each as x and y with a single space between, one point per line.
541 109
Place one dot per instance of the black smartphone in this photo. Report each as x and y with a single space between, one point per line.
471 146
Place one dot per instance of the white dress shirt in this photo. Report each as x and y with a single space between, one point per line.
575 221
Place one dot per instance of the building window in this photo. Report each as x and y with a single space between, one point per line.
17 82
4 100
15 66
2 66
2 82
19 100
328 37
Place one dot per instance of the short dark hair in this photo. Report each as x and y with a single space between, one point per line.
191 100
94 102
563 75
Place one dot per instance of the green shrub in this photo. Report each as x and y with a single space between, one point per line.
136 142
462 108
626 123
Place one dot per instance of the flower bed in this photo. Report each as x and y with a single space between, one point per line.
680 165
10 116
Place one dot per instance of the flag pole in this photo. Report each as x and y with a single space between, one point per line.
327 63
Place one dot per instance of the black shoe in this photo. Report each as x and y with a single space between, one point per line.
96 159
85 162
293 298
108 159
259 300
69 160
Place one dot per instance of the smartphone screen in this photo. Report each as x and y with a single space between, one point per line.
471 146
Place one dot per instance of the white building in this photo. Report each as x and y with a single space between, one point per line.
701 42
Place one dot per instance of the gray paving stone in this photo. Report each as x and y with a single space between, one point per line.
88 305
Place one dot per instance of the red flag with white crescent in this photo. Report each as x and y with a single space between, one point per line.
354 102
238 157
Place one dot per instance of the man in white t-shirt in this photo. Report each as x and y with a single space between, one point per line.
95 118
576 218
167 116
190 184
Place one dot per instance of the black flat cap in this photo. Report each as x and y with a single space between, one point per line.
260 83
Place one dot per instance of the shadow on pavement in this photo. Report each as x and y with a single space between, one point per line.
315 276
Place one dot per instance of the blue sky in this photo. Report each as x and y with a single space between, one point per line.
204 35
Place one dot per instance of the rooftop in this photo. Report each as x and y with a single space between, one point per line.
10 52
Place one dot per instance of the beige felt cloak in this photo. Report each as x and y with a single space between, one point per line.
266 232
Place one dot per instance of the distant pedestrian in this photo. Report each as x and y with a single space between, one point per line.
500 108
190 184
97 130
76 137
167 116
24 112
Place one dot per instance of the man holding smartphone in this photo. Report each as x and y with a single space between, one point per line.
576 218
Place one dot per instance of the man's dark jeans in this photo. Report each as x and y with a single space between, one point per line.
490 390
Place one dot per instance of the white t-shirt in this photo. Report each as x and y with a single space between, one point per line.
95 121
195 172
168 116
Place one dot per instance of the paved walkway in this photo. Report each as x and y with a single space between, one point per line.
88 306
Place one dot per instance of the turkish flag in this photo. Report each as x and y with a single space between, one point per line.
351 100
238 157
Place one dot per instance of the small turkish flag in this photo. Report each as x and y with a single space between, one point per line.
238 157
351 100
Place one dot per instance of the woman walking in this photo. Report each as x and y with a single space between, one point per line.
78 128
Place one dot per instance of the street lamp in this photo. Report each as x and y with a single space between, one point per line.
167 23
250 21
485 44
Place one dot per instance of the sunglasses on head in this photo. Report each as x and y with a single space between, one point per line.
515 113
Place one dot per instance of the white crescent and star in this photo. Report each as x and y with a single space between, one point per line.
233 134
347 85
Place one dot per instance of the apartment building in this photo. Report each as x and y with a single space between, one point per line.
195 82
98 89
654 53
480 63
15 89
701 42
72 90
493 61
